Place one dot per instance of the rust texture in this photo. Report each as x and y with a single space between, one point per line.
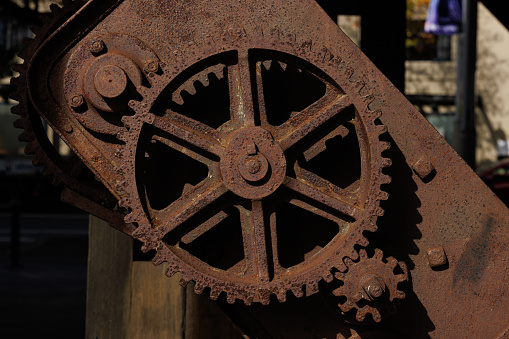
247 145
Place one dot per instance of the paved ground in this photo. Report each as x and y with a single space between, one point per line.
45 296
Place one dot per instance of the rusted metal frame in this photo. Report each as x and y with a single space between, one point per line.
52 49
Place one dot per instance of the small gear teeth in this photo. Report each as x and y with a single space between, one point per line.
281 296
381 129
385 179
158 259
171 271
298 292
18 123
267 64
199 287
215 293
369 268
328 277
230 298
184 281
363 241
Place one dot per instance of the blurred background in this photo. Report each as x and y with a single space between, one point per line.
43 243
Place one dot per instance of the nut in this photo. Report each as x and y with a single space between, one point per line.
97 46
77 101
151 66
423 167
436 257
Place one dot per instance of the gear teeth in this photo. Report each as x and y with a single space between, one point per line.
379 212
281 296
381 129
267 64
230 298
386 162
158 259
264 299
348 262
340 276
198 287
184 281
143 91
171 270
215 293
400 295
363 254
354 255
347 306
328 277
26 137
19 123
298 292
385 179
392 262
379 255
385 146
311 288
18 67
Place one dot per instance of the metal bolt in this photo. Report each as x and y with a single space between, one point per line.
423 167
77 101
373 286
436 257
151 66
68 129
110 81
253 166
97 46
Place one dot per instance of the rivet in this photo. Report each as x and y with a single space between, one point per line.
68 129
436 257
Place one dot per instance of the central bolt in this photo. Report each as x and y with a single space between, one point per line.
253 166
110 81
373 286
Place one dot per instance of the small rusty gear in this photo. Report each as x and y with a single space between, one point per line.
367 281
65 170
249 161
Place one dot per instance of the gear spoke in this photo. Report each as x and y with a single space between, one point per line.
254 232
187 206
190 131
298 128
241 94
320 197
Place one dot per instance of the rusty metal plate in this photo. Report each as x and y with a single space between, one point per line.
249 146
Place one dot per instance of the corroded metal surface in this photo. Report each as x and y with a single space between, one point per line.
245 144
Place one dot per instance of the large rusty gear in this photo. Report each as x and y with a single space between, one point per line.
249 163
69 172
366 281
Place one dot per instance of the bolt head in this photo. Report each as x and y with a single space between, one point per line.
436 257
77 101
423 167
373 286
97 46
151 66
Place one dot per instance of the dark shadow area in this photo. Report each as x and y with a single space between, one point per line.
44 297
